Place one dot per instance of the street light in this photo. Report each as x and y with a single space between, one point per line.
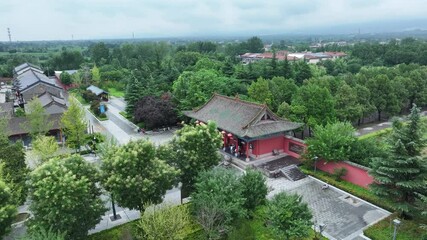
396 223
315 163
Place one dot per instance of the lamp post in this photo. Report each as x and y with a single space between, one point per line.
315 163
396 223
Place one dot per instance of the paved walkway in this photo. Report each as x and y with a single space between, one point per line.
345 216
373 127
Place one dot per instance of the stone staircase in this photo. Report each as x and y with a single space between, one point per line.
292 172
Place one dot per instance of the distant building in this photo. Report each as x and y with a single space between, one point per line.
282 55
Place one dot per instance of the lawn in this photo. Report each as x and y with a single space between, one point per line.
115 93
76 94
408 230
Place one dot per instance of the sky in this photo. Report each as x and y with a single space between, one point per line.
99 19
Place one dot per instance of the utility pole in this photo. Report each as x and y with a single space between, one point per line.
10 35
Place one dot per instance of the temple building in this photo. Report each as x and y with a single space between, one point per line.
250 131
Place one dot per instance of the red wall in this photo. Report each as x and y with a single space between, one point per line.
267 145
354 174
286 147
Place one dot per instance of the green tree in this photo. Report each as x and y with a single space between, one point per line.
7 209
133 94
347 105
288 217
135 176
37 120
217 201
99 53
193 89
254 45
383 95
45 147
281 90
14 169
260 92
65 196
332 142
363 99
254 189
302 72
195 149
402 174
74 125
284 110
312 105
287 70
66 78
165 222
96 76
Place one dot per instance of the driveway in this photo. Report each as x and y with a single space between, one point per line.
345 216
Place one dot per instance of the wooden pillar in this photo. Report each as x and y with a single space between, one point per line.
247 151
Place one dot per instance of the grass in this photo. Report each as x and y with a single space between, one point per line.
123 232
377 134
76 94
116 93
358 191
408 230
125 115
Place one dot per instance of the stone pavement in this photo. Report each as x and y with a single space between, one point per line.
344 215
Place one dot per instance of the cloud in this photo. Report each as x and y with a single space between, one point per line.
87 19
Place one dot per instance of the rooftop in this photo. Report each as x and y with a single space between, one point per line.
242 118
30 77
96 90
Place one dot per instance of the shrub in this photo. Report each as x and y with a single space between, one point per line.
363 150
89 96
339 173
288 217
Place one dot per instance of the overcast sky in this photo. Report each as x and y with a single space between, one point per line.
89 19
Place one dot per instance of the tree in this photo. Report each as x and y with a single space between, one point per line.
66 78
217 201
164 222
155 112
288 217
312 105
14 169
66 197
133 94
254 45
195 149
254 189
332 142
45 147
96 77
135 176
383 95
302 72
37 119
282 90
99 52
7 209
287 70
363 99
284 110
74 125
193 89
260 92
402 174
347 105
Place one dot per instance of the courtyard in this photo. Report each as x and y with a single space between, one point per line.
343 215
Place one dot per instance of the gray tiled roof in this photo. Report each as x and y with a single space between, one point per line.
96 90
46 98
31 77
24 66
17 124
242 118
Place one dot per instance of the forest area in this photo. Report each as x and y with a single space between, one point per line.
160 79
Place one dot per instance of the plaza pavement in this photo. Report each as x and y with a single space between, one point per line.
344 215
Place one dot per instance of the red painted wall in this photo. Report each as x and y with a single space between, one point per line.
287 141
267 145
354 174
